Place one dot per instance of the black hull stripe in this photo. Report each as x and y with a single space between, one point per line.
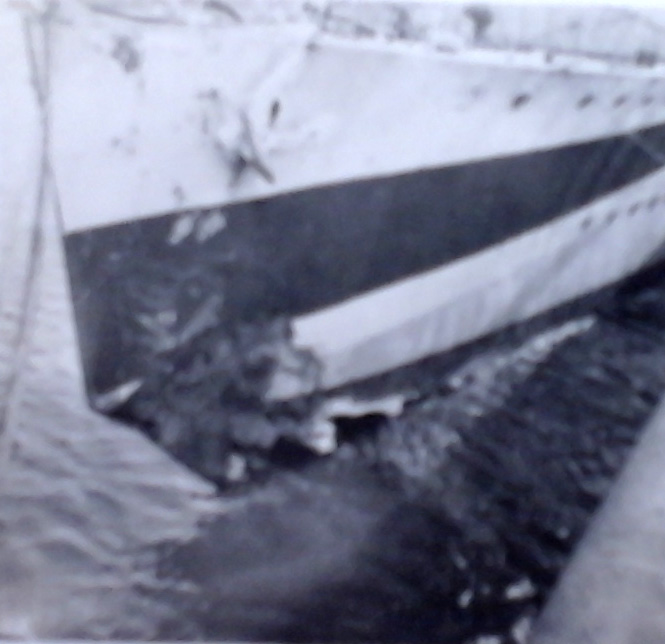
297 252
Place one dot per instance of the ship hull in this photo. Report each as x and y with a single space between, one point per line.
413 200
578 253
375 276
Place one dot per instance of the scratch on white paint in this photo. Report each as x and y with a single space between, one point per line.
210 224
181 229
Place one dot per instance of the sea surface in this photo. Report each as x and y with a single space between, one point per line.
82 500
451 521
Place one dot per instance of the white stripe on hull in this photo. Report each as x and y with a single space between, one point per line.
462 301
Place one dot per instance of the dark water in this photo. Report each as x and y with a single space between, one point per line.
452 521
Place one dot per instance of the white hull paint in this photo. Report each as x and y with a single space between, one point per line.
443 308
127 145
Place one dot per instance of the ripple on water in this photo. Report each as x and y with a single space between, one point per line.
82 496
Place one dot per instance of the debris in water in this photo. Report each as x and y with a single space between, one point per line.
111 400
321 436
523 589
521 630
488 639
236 468
465 599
